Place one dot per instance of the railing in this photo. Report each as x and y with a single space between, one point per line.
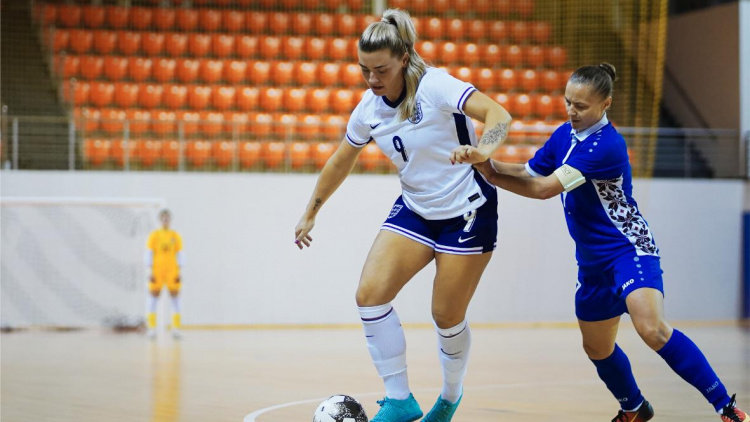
302 147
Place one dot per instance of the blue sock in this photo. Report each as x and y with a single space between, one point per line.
684 357
616 373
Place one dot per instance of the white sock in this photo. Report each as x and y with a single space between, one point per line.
151 303
176 304
453 346
387 345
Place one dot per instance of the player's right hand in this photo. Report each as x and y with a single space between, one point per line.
301 232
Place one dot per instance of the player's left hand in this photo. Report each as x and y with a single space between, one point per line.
177 279
467 154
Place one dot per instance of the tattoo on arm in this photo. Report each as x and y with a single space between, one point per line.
318 201
495 135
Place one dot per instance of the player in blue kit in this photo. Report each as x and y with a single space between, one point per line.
586 161
417 115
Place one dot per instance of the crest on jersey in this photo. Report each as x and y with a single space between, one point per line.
417 116
395 210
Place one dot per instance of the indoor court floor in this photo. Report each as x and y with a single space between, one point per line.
518 373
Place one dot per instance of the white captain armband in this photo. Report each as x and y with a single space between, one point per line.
569 177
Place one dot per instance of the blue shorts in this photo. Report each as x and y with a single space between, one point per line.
473 233
600 294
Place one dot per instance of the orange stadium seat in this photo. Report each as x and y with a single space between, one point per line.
93 16
540 32
249 153
329 74
248 98
545 106
321 152
256 22
282 73
187 19
272 153
212 123
126 94
118 17
96 151
163 122
417 23
113 120
175 44
271 99
498 31
525 8
310 126
87 118
139 121
69 15
236 122
234 71
448 52
60 40
557 57
315 48
141 17
175 96
118 151
149 151
259 72
150 95
46 13
454 28
199 44
187 70
338 49
503 100
224 97
139 68
223 152
522 106
301 23
170 152
351 75
295 99
209 20
197 152
210 71
477 29
152 43
319 100
464 73
278 23
285 125
105 41
115 68
513 56
343 101
68 66
484 79
164 69
428 50
128 42
187 122
246 46
81 40
507 79
260 124
529 80
232 20
222 45
334 127
519 32
305 73
199 96
365 21
372 157
468 53
551 81
102 93
535 56
346 24
270 47
163 18
299 154
433 28
292 47
420 6
324 24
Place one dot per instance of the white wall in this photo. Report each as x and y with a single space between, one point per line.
243 267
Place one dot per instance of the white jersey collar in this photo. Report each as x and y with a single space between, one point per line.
583 134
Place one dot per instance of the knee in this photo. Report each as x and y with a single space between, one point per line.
597 351
654 333
445 318
369 295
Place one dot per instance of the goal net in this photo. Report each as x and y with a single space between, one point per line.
68 262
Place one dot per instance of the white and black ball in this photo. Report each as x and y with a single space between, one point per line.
340 408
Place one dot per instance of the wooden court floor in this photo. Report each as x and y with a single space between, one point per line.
517 374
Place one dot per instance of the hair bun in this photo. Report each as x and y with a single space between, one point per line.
609 69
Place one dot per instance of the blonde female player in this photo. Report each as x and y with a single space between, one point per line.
586 161
417 115
163 262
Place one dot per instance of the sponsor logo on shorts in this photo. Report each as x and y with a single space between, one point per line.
627 283
461 240
395 210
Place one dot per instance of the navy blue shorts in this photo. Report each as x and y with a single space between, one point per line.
600 294
473 233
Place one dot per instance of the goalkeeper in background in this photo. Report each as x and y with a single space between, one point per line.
164 259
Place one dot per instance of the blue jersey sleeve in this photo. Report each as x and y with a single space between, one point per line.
604 159
543 162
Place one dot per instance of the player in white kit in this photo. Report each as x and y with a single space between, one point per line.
417 115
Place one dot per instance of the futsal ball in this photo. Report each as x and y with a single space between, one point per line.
340 408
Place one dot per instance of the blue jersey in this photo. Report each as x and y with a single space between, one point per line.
603 218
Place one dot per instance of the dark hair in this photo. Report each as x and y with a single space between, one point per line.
600 78
396 33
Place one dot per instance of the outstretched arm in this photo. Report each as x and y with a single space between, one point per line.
333 174
496 124
530 187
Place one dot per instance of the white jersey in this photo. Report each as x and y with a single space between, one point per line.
420 146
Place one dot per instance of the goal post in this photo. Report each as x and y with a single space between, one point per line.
74 262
